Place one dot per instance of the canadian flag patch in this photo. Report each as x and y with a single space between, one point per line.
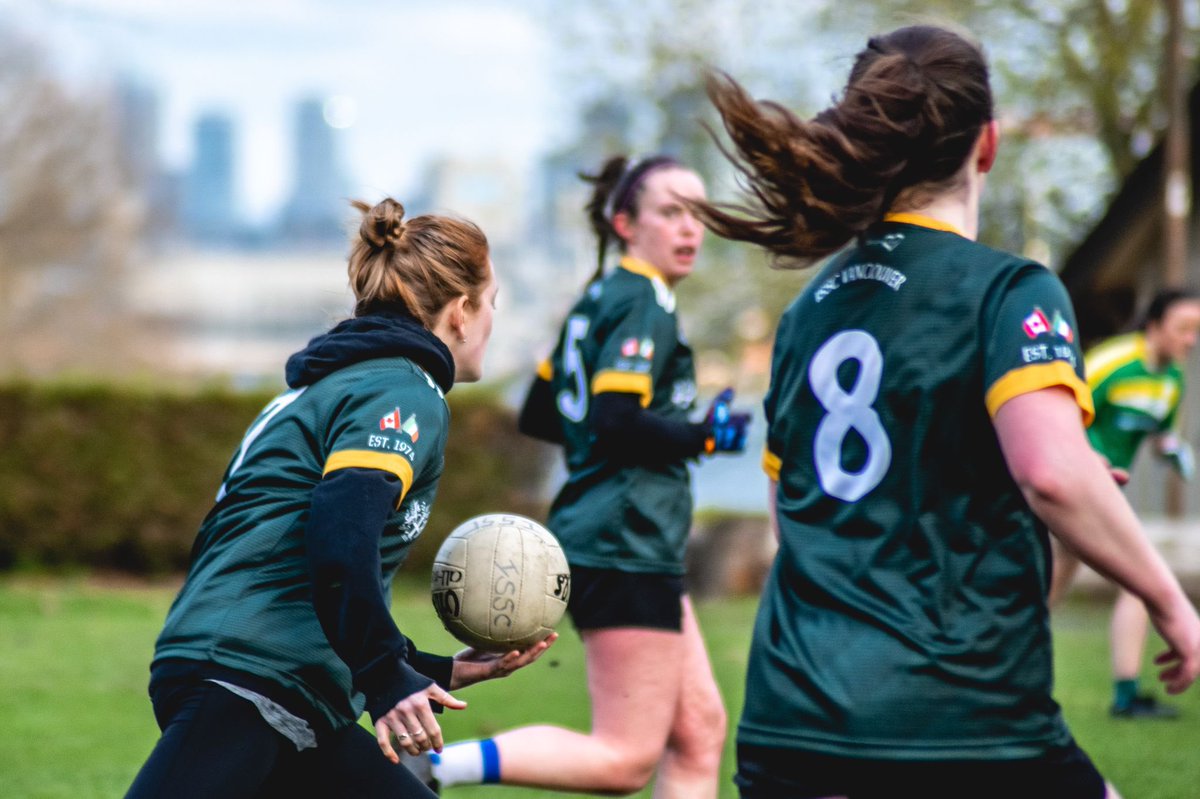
1036 324
390 421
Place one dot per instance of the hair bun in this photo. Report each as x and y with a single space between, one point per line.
382 225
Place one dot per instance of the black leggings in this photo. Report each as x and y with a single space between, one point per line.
215 743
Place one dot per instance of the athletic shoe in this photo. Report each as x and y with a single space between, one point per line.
422 767
1144 707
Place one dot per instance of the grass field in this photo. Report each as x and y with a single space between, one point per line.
75 720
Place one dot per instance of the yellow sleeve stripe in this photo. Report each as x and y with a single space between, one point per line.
1107 358
370 459
771 464
545 370
1027 379
623 383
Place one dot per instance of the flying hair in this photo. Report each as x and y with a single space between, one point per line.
909 115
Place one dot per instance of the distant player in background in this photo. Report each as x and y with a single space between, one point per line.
616 394
281 633
925 424
1137 386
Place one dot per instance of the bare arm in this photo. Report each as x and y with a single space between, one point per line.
1069 487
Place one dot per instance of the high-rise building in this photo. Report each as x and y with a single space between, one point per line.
317 210
138 109
561 226
208 199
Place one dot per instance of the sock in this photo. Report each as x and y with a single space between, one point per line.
467 763
1123 692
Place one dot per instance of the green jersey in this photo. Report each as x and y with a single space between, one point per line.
622 336
247 602
904 616
1132 400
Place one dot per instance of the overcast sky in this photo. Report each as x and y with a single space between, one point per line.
468 78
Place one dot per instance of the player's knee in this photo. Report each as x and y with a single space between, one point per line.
628 772
702 735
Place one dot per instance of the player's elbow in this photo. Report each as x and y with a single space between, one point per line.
1044 484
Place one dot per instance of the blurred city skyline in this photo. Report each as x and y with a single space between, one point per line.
184 166
401 83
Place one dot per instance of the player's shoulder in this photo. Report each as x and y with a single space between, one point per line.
389 377
991 265
636 284
997 277
1114 354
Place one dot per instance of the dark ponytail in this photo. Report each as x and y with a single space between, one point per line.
603 183
913 107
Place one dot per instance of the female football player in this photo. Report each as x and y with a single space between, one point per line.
1137 385
281 635
925 424
616 393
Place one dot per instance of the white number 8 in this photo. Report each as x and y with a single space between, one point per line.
846 411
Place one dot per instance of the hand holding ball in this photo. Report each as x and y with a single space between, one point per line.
500 582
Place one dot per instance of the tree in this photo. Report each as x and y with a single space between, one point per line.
68 221
1079 96
649 58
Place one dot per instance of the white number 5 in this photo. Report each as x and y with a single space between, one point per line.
846 411
573 405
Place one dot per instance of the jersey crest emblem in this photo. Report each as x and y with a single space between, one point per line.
888 242
415 517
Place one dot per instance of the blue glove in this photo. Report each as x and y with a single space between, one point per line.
727 430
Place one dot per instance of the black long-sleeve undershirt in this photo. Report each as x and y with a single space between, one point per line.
625 431
628 433
348 511
539 418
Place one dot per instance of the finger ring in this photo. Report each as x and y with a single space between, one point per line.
415 733
401 736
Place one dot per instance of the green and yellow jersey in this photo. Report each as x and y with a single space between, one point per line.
622 336
1132 400
904 616
247 603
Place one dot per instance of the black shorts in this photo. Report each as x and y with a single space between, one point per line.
1064 772
605 598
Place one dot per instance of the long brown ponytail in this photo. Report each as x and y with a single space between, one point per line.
912 109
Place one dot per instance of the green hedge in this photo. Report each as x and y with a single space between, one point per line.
120 477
